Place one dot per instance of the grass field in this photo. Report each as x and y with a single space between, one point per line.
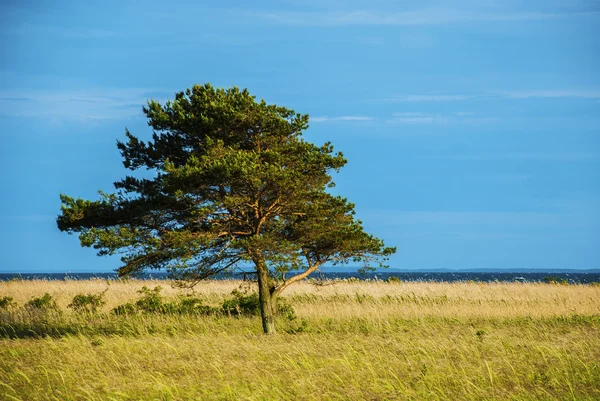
351 340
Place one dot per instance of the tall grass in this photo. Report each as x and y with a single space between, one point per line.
356 340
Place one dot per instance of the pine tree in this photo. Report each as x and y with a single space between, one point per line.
234 184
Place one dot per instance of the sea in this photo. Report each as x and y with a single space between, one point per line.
572 277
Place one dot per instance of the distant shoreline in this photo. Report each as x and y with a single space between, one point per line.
571 277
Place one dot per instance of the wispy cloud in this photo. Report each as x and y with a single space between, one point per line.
416 118
427 16
58 31
462 117
584 94
531 219
541 156
342 118
77 104
513 94
424 98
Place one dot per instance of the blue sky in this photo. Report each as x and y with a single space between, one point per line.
472 128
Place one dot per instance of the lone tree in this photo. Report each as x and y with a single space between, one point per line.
234 184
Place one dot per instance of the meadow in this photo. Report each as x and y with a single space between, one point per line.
348 341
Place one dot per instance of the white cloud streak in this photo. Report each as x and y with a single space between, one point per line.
426 98
514 94
542 156
59 31
78 104
462 117
519 219
429 16
550 94
342 118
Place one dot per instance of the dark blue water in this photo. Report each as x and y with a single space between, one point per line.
571 277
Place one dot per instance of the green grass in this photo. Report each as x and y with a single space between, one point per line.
348 342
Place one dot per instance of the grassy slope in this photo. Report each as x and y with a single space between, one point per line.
360 341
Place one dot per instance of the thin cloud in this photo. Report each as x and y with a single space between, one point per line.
16 99
417 118
342 118
429 16
585 94
59 31
565 156
78 104
461 117
425 98
541 156
515 94
531 219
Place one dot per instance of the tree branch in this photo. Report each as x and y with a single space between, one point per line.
295 278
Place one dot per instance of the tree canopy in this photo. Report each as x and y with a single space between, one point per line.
233 184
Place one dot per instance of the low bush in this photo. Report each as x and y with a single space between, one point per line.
125 309
6 302
87 303
242 304
153 302
45 302
193 306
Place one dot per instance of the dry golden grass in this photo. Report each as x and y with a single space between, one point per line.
417 299
357 340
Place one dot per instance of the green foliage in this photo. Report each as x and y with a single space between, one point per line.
233 183
393 279
285 309
125 309
243 304
6 302
151 301
193 306
45 302
87 303
303 327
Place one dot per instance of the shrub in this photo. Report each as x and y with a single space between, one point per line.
46 302
242 304
193 306
88 303
304 327
6 302
126 309
249 305
393 279
151 300
285 309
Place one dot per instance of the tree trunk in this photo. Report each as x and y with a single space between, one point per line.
266 300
